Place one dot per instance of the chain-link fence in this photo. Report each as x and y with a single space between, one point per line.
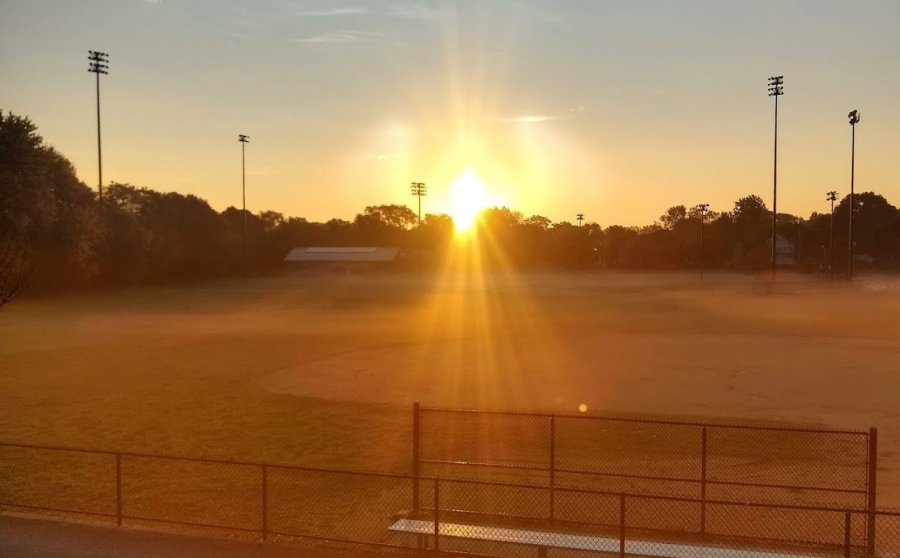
424 513
256 501
720 461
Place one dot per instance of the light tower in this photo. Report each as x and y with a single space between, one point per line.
98 63
244 139
854 118
419 189
832 197
776 89
702 209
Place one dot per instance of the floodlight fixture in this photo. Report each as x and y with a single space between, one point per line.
98 62
776 86
418 189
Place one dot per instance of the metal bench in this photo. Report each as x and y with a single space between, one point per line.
542 540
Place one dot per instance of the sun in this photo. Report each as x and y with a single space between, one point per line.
468 198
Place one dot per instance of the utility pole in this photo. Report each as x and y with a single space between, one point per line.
419 189
854 118
832 197
776 89
702 208
580 218
244 139
98 63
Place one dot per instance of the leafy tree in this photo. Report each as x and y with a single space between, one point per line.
392 216
876 229
673 217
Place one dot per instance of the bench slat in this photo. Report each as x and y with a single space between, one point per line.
584 542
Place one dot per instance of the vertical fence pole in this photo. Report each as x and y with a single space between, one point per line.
621 525
265 502
437 516
552 467
847 534
870 496
119 489
703 454
416 456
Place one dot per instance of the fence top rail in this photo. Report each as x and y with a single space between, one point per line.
668 422
686 480
208 460
660 497
629 495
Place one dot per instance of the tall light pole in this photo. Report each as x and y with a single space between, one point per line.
244 139
702 208
854 118
98 63
832 197
776 89
580 219
419 189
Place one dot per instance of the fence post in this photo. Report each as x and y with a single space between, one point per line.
119 489
552 467
416 456
437 516
621 525
870 496
703 454
265 502
847 534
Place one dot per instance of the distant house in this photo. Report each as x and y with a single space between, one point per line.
341 257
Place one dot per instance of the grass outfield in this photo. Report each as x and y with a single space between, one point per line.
323 370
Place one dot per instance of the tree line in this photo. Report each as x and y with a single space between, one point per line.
55 234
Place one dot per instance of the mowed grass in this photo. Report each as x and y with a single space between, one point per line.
323 370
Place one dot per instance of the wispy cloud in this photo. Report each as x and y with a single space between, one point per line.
331 12
389 9
412 11
385 156
533 118
343 36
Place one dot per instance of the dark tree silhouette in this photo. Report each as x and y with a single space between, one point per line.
54 233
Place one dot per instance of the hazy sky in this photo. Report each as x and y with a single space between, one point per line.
614 109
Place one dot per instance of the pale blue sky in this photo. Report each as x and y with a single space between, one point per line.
614 109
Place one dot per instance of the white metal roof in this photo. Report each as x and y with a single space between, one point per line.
342 254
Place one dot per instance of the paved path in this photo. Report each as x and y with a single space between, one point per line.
33 538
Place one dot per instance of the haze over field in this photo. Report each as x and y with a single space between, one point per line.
283 369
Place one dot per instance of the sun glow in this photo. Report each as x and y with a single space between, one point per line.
468 198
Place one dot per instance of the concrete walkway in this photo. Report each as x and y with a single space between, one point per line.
35 538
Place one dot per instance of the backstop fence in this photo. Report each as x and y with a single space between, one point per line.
261 501
672 461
